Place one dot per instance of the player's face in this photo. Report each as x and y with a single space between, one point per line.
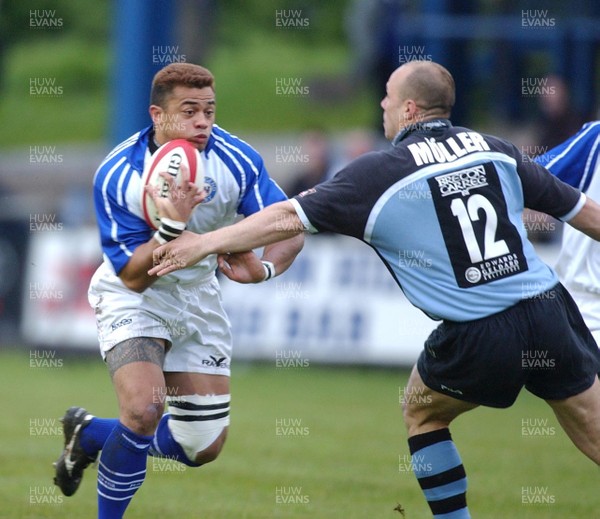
189 114
392 106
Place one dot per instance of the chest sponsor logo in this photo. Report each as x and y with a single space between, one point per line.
210 188
461 182
482 242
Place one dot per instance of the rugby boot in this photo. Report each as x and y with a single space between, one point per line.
73 460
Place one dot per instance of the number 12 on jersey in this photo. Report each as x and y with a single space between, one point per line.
482 243
469 213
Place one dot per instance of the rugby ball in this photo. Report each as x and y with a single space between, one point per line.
168 158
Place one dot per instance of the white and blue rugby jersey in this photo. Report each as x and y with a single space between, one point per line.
576 162
443 209
238 184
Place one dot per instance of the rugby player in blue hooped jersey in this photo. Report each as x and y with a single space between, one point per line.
575 162
457 197
166 339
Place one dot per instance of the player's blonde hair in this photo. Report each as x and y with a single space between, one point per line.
178 74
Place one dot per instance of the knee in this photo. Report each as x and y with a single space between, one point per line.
413 419
142 418
211 453
199 425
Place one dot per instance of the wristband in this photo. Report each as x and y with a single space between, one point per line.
269 270
168 230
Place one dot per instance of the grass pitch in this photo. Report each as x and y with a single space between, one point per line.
309 442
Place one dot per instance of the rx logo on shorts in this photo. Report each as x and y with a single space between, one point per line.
215 362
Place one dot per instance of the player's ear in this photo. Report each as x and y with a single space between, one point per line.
410 106
409 111
156 114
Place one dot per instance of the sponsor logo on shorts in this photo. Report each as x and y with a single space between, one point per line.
122 322
450 390
215 362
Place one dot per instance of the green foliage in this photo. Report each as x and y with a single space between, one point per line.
79 72
79 67
247 95
88 20
251 53
325 19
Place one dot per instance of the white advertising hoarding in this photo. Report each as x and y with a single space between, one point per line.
336 304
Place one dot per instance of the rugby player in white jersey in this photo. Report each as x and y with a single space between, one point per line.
166 339
575 162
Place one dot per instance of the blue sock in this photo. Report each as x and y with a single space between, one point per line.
121 470
94 435
440 473
164 445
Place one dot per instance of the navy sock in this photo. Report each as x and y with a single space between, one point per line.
94 435
440 472
164 445
121 470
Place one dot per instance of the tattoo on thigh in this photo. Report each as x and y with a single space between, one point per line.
138 349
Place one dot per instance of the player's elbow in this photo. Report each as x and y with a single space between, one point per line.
134 276
134 284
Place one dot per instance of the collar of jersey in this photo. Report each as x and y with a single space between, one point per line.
424 127
143 142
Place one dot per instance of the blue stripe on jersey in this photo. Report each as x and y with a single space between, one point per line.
574 160
122 232
257 188
428 281
428 171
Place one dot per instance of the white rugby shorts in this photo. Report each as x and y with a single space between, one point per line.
589 306
188 315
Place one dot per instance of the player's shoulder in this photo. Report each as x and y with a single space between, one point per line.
225 144
367 162
589 131
580 147
494 141
127 154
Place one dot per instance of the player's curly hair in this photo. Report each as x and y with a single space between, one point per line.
178 74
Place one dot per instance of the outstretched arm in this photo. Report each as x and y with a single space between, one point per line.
273 224
588 219
247 267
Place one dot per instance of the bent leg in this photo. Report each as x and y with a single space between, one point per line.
435 459
136 369
579 416
195 429
432 410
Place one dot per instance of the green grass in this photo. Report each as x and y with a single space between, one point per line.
345 464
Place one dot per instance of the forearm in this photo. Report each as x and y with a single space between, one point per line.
588 219
135 273
273 224
283 253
